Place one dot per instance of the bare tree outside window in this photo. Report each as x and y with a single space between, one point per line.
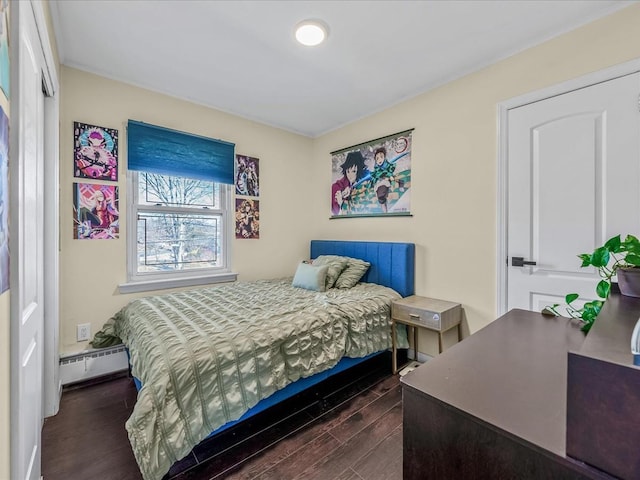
179 223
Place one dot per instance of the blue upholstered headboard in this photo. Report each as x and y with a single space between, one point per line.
392 263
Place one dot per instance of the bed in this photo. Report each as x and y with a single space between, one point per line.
202 366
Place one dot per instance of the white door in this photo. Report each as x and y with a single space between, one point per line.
26 185
573 182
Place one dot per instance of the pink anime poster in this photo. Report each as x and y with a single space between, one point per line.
247 174
95 211
95 152
247 218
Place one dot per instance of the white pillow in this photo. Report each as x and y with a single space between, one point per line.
311 277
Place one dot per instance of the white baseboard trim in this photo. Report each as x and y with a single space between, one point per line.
422 357
92 363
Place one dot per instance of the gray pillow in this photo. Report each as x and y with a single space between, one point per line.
311 277
352 274
336 265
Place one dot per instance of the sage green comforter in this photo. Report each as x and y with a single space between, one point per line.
206 356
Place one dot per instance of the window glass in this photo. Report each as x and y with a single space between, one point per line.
154 189
180 225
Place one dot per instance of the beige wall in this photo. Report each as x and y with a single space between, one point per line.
454 163
91 270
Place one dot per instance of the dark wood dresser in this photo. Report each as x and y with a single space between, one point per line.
495 405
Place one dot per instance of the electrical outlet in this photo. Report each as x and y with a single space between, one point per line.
84 332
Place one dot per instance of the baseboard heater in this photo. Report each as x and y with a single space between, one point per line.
105 361
92 363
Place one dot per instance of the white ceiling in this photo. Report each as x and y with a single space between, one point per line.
240 56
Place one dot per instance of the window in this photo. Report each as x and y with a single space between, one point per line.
180 216
178 228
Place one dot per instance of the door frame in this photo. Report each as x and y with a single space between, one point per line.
503 108
52 388
51 383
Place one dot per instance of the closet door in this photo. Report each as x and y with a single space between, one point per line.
27 240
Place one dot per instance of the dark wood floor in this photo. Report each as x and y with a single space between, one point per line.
353 432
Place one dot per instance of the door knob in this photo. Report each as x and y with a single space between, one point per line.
520 262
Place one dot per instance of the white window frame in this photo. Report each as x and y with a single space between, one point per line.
140 282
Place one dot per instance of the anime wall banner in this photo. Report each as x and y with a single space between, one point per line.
372 178
95 211
95 152
247 173
247 218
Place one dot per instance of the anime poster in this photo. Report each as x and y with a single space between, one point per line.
247 218
372 178
4 47
95 152
4 201
95 211
247 173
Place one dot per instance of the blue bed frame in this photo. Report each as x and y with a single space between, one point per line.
392 265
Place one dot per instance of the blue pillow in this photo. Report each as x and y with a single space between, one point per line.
311 277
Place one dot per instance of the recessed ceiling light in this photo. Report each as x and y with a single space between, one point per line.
311 32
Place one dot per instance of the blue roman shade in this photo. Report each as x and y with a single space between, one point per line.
170 152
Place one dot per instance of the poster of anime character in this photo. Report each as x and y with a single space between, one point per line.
372 178
95 211
4 47
95 152
247 218
246 173
4 201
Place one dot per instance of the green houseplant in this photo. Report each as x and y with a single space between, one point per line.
615 257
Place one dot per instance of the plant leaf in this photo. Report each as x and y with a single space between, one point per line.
631 243
633 259
571 297
614 244
603 288
586 259
591 310
600 257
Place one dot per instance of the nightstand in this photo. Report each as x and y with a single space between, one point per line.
422 312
